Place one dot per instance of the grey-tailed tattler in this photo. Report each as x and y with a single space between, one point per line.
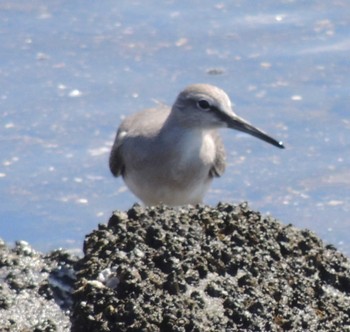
171 155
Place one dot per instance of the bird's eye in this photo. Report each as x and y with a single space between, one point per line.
203 104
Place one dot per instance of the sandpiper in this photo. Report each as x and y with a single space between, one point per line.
171 155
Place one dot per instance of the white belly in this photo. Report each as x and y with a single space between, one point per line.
177 176
152 193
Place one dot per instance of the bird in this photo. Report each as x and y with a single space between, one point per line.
170 155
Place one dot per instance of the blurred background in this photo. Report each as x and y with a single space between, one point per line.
71 70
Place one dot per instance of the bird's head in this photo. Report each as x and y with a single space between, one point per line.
205 106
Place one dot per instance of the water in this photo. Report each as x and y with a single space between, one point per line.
69 71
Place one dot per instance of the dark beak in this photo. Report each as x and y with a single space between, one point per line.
235 122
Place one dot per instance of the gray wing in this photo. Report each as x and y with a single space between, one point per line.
116 162
220 159
143 124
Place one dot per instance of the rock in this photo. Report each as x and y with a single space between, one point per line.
208 269
35 289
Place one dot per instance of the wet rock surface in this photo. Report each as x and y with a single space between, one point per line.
208 269
35 289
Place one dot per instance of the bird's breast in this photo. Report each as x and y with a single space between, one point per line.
174 171
193 157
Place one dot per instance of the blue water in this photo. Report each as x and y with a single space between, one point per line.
69 72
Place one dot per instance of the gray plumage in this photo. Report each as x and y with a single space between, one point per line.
170 156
